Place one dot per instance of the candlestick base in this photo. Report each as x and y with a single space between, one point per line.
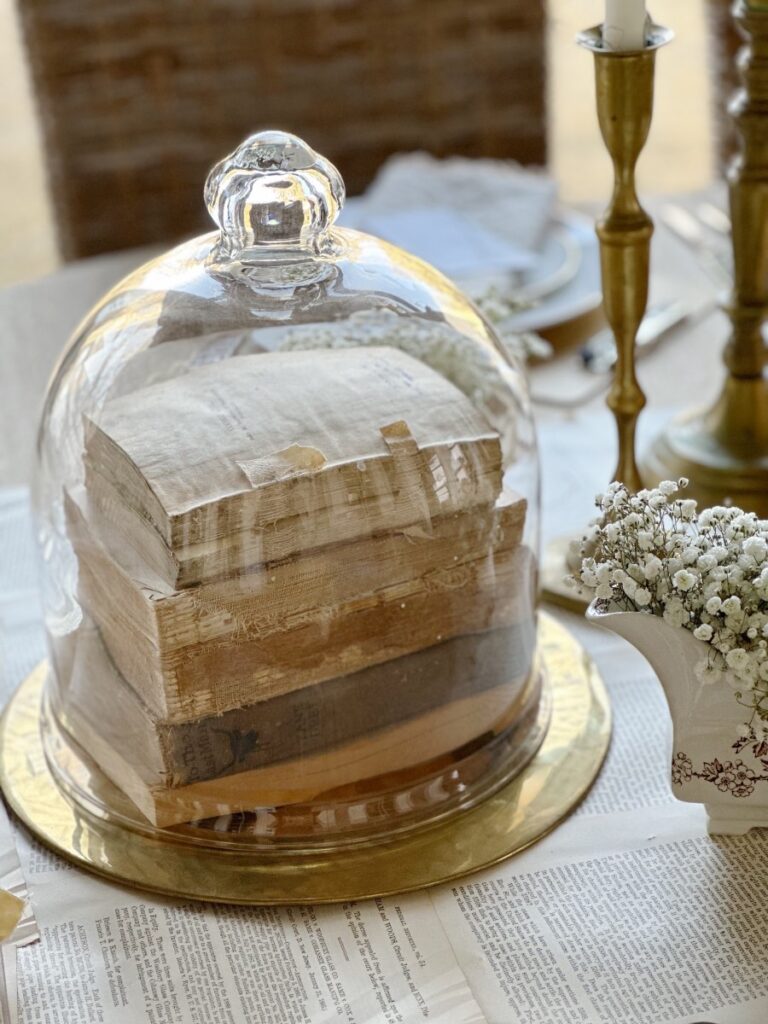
723 451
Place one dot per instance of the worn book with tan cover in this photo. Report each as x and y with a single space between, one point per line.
207 649
294 748
260 457
301 722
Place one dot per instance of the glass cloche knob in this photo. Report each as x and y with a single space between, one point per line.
273 193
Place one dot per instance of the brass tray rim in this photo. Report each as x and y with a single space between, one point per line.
523 811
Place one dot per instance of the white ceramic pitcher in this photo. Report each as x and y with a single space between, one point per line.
706 717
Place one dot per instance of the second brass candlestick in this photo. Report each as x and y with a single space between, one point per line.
723 450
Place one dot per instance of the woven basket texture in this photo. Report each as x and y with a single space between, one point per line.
139 97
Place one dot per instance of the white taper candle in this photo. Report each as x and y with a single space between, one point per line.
624 26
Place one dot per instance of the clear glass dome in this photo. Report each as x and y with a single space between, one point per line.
287 503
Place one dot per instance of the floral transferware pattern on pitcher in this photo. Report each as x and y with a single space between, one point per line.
690 591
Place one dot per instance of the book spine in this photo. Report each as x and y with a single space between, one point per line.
321 717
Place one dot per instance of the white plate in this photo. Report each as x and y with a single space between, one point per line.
561 285
580 295
562 288
548 270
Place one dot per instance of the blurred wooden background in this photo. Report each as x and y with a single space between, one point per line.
138 100
679 155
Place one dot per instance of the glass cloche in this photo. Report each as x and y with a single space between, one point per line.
287 504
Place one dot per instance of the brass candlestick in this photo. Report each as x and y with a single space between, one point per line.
624 86
723 450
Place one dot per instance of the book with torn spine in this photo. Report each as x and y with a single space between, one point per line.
218 646
260 457
294 748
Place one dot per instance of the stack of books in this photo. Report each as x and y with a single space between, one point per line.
299 570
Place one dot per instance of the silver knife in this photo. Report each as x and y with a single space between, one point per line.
714 260
599 354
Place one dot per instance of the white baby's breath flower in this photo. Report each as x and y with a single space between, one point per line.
688 509
756 548
748 674
737 659
603 572
685 580
588 578
707 573
745 521
652 567
675 613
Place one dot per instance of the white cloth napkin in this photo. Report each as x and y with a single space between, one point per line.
463 216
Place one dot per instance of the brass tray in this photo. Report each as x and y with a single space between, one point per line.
528 807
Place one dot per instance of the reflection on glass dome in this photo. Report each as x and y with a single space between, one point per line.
287 502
